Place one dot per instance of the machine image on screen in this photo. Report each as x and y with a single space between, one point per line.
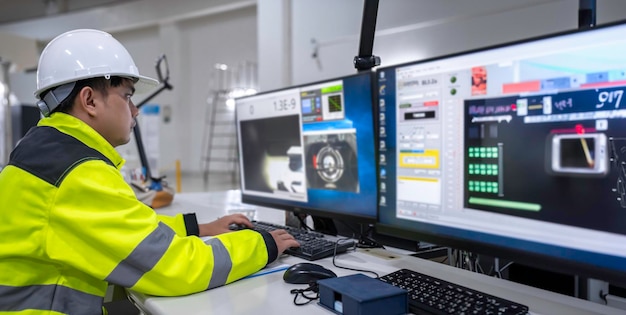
517 150
311 148
332 161
275 160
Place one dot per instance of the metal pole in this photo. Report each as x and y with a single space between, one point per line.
5 101
586 13
365 61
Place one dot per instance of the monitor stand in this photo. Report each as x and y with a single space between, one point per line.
324 225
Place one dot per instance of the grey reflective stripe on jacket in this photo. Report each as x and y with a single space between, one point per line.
151 249
143 258
221 263
37 297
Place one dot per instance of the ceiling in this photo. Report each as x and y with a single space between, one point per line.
20 10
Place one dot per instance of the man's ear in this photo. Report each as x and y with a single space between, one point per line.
87 100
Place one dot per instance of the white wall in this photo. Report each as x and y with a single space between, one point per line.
193 47
20 51
409 30
229 38
274 43
121 17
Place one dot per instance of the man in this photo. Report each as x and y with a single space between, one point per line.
70 224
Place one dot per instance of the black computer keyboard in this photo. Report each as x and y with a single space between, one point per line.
313 245
435 296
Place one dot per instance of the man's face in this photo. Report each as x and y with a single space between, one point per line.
118 117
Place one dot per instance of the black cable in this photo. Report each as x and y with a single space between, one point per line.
313 287
603 297
303 223
348 268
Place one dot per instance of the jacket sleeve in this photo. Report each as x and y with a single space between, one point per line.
183 224
98 226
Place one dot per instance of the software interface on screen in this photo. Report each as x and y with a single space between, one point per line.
310 147
525 142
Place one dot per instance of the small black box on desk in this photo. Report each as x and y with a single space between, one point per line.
361 295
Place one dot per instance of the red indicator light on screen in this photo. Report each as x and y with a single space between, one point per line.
513 107
579 129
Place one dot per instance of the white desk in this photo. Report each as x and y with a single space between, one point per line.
269 294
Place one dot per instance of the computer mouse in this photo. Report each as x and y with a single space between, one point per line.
237 227
305 273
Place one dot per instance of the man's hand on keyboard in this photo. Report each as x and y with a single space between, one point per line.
284 240
222 224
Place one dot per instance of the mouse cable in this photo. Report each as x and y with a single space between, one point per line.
313 287
348 268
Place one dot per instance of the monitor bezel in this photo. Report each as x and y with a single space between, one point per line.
541 261
323 213
433 232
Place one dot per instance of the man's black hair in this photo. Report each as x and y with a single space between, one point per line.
99 83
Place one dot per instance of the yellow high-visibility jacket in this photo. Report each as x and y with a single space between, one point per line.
70 224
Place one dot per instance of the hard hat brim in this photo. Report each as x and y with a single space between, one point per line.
145 84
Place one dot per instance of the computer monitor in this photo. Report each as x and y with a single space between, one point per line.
516 151
311 149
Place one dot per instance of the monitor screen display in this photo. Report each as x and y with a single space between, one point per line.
518 150
310 148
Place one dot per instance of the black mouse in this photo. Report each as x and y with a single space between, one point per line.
237 227
305 273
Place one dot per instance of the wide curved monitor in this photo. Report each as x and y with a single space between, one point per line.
310 148
516 151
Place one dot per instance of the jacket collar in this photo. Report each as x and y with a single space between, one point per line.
78 129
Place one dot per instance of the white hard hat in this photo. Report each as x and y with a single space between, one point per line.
82 54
